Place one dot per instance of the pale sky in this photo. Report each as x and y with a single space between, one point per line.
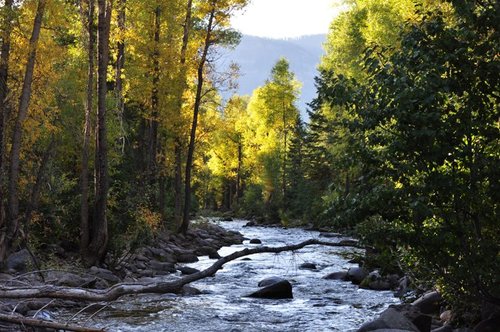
287 18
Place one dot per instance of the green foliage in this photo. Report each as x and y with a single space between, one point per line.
419 128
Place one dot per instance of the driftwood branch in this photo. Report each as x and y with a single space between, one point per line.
161 287
43 323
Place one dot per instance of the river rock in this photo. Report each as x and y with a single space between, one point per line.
251 223
189 291
375 281
255 241
20 261
356 275
104 274
186 257
279 290
307 266
60 278
341 275
162 266
187 270
395 317
429 303
270 281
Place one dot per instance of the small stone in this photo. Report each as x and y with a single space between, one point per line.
255 241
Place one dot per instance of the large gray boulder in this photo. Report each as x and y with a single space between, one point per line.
20 261
356 275
341 275
399 317
270 281
429 303
278 290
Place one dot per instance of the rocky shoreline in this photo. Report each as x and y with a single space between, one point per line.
166 256
171 251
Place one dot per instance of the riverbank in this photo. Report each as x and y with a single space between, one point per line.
167 255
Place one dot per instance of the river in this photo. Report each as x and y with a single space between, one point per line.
318 304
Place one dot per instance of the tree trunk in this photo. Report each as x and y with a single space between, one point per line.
84 177
238 172
192 137
153 122
160 287
99 232
178 183
37 186
178 143
5 31
44 324
24 100
120 65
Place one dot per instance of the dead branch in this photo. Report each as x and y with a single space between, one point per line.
160 287
25 321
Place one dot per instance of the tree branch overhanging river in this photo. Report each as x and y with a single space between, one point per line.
161 287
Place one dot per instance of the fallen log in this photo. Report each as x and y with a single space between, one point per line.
26 321
160 287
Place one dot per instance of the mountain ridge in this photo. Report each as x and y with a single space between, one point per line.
257 55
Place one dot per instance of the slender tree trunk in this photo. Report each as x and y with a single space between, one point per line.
84 177
37 186
197 102
5 31
153 122
238 172
99 237
178 143
24 100
283 180
120 65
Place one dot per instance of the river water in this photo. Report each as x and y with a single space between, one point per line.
318 304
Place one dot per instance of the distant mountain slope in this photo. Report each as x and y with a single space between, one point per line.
256 57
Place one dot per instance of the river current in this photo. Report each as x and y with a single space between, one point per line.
318 304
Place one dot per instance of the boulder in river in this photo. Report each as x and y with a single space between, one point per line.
429 303
278 290
341 275
270 281
187 270
255 241
307 266
356 275
399 317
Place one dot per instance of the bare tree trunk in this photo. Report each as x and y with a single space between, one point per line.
178 143
197 102
238 172
120 65
153 122
99 236
178 183
26 321
84 177
6 30
24 100
161 287
37 186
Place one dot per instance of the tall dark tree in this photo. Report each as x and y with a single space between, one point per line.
24 101
5 33
99 229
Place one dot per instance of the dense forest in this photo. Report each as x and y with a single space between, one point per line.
113 127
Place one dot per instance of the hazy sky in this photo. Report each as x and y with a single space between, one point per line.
286 18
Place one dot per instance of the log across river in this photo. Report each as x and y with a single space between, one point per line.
318 304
